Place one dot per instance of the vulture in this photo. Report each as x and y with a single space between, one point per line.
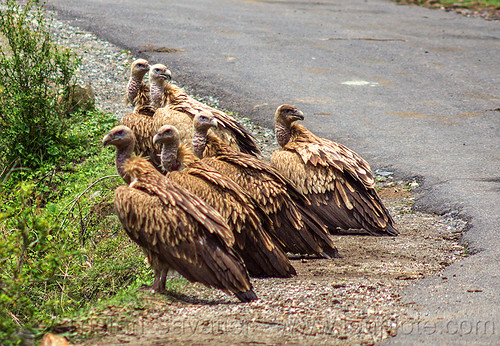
166 94
137 92
298 230
175 228
249 223
338 182
145 122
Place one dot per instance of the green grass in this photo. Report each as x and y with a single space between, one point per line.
121 312
62 249
473 4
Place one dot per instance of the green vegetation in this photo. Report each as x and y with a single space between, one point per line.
35 87
62 251
471 4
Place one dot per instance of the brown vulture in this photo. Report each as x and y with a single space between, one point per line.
166 94
298 230
249 223
174 227
137 92
338 181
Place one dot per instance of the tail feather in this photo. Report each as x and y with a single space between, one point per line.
261 262
247 296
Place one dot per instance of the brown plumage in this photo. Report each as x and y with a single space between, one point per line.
298 230
137 92
338 181
244 216
146 121
175 228
165 94
144 125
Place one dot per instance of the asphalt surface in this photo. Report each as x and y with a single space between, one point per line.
413 90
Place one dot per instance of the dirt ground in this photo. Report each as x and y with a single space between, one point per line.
351 300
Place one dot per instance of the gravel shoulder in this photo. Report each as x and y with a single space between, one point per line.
354 300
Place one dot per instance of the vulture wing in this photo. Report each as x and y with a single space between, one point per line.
298 230
248 221
229 130
181 230
338 182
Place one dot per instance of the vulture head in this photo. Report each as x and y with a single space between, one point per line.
139 68
202 123
167 135
287 114
120 136
160 73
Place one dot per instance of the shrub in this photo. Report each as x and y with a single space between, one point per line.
36 78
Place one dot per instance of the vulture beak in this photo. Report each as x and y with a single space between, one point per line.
166 75
156 139
107 140
298 115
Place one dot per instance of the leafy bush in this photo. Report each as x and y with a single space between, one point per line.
36 82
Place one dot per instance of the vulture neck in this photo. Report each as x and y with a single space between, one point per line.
123 154
156 91
170 158
283 133
134 85
200 141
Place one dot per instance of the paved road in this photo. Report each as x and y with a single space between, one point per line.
413 90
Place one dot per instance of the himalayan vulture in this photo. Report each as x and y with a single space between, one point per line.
170 96
146 119
298 230
249 223
338 182
175 228
137 92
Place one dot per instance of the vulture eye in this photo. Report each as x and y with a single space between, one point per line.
168 131
203 118
120 133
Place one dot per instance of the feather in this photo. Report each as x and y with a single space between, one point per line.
245 217
337 180
173 97
175 228
137 92
297 231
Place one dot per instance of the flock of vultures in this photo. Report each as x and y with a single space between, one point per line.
198 199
